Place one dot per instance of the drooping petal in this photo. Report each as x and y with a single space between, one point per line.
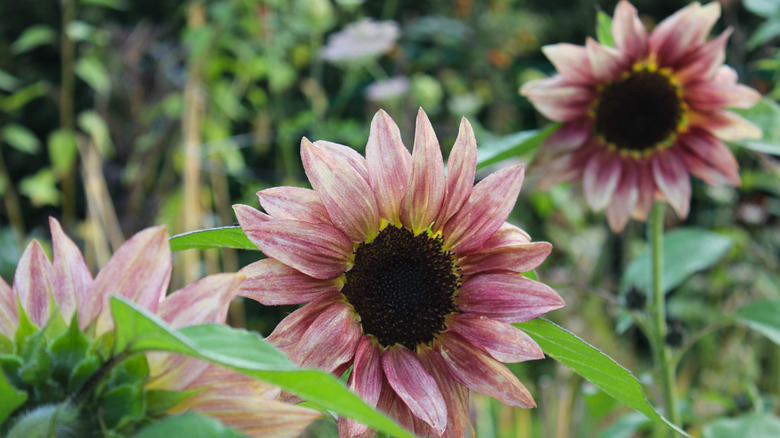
600 178
708 158
481 373
273 283
461 167
624 199
319 250
425 193
139 271
486 210
205 301
507 297
338 174
365 380
558 99
606 62
673 181
71 279
571 61
456 396
294 203
725 125
33 283
415 386
389 166
683 32
504 342
628 32
330 340
9 314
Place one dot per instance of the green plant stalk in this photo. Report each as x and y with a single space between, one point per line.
657 308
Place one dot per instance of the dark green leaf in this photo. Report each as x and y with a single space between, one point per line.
121 405
159 401
67 350
223 237
10 398
512 145
197 426
763 317
766 115
758 425
686 251
139 331
593 365
604 28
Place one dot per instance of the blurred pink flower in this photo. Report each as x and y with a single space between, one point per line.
140 271
639 117
365 38
412 278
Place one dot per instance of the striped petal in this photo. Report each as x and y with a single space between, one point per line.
682 32
519 257
71 279
461 167
571 61
671 178
294 203
628 32
481 373
559 99
33 283
291 329
389 166
507 297
456 396
708 158
624 199
273 283
330 340
606 62
365 380
725 125
505 343
9 313
708 96
703 62
415 386
600 178
338 174
425 193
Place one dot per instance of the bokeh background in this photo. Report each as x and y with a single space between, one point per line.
120 114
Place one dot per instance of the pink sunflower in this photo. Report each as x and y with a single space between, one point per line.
411 278
639 117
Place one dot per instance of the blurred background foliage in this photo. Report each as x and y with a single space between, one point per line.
119 114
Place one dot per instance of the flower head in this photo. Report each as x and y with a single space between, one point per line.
140 271
365 38
639 117
412 278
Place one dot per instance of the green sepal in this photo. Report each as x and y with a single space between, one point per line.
24 329
10 398
82 371
6 345
197 426
160 401
122 405
68 350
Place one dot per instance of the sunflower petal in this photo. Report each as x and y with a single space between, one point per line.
628 32
330 340
33 283
559 99
600 178
707 96
571 61
624 199
673 181
606 62
461 167
71 279
683 32
703 62
507 297
456 396
291 329
294 203
273 283
365 380
708 158
389 166
520 257
9 314
504 342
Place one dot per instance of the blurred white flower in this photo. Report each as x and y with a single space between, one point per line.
362 39
387 89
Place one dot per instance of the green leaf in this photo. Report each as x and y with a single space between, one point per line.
763 317
593 365
512 145
63 151
20 138
96 127
137 330
41 188
8 82
766 115
758 425
197 426
762 8
223 237
765 32
33 37
159 401
68 349
604 28
121 405
21 97
10 398
686 250
92 71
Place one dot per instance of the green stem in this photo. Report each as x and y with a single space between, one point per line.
657 308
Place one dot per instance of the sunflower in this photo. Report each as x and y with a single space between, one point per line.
640 117
411 278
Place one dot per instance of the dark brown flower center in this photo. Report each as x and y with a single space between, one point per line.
638 112
402 286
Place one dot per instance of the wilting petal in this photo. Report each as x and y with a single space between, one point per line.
291 329
389 166
415 386
559 99
725 125
600 178
9 314
606 62
518 257
205 301
628 32
708 96
461 167
486 210
481 373
505 343
425 193
273 283
571 61
318 250
246 404
507 297
673 181
139 271
456 396
294 203
703 62
365 380
33 283
624 199
682 32
339 176
330 340
71 279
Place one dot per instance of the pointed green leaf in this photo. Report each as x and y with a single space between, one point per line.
593 365
160 401
63 151
763 317
686 250
223 237
20 138
512 145
197 426
604 28
33 37
10 398
758 425
92 71
137 330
